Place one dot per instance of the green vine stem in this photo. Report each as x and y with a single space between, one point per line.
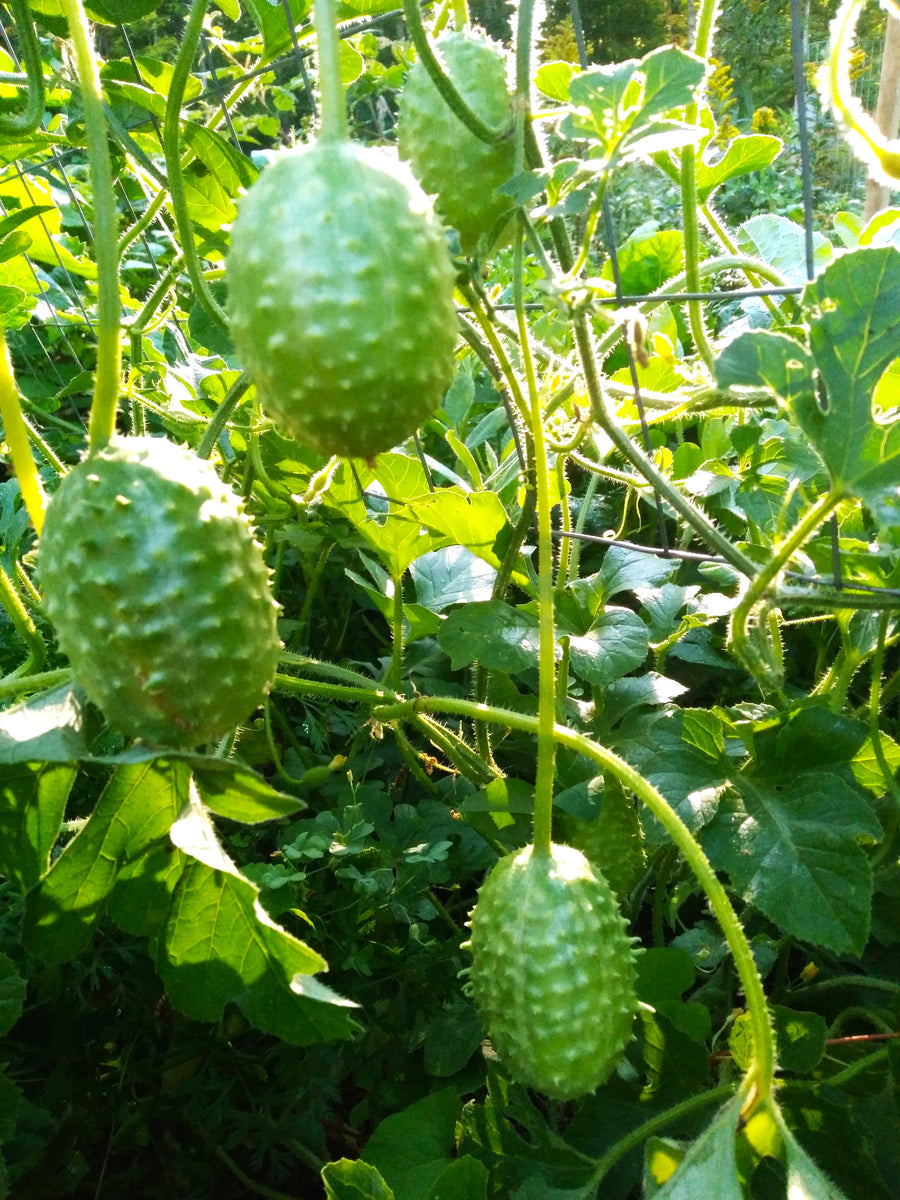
546 747
691 229
220 417
689 205
580 522
18 124
828 597
759 1080
332 105
396 668
565 542
739 636
890 986
352 686
290 685
466 760
16 433
721 234
890 783
451 96
546 744
333 671
21 685
522 98
25 627
634 1139
842 1078
102 423
498 592
680 283
172 150
685 508
500 358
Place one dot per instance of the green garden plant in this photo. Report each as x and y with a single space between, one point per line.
373 576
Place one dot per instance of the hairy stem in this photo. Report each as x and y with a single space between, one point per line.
449 93
172 150
332 105
18 124
16 433
102 424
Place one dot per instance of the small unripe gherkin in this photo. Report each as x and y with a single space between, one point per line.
452 164
158 593
553 971
613 841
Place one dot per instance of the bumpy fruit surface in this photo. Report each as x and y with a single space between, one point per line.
340 296
553 971
451 163
158 592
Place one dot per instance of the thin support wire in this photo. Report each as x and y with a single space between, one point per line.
301 58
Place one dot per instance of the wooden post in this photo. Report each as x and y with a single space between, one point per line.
887 112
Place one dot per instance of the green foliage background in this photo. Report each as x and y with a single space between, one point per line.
348 824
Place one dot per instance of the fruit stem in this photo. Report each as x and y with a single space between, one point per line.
18 685
397 632
672 1115
16 434
221 416
171 141
18 124
332 105
26 628
522 100
102 423
546 746
452 98
689 204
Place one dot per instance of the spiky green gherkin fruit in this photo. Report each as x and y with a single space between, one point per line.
553 971
158 593
452 164
340 297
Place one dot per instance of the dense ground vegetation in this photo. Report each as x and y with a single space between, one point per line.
633 585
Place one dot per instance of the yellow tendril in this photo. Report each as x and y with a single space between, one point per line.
16 435
880 154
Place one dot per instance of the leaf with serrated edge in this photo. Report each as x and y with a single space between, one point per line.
853 334
48 727
381 513
615 644
791 850
746 153
236 792
804 1179
136 808
761 358
353 1179
709 1167
220 947
32 804
500 637
12 994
